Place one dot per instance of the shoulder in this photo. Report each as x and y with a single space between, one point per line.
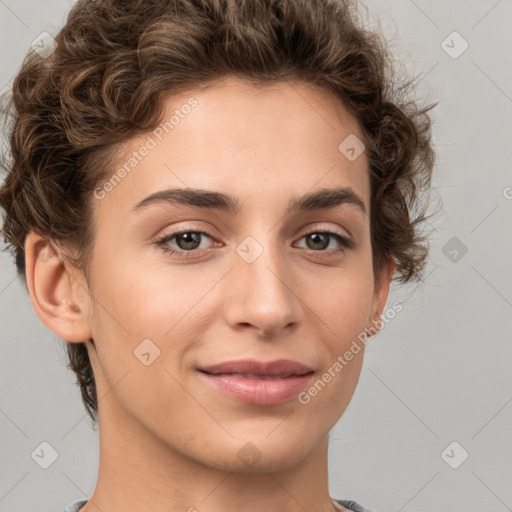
74 506
352 505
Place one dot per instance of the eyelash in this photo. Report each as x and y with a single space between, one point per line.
345 242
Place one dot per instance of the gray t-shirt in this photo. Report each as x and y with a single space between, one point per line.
351 505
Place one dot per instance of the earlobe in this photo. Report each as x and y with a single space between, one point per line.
56 294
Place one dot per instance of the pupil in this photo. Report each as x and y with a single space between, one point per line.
194 240
315 239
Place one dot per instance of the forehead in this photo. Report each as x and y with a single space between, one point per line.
268 142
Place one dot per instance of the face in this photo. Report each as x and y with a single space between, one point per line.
263 280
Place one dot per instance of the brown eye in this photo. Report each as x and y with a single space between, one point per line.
187 242
318 241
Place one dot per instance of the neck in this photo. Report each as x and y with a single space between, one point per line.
139 472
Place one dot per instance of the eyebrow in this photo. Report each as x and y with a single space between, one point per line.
320 199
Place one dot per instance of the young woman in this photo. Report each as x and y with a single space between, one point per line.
208 200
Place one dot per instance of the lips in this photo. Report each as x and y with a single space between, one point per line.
258 382
253 369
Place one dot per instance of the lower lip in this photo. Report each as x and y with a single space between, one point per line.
259 391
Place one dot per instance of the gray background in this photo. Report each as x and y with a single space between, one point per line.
439 372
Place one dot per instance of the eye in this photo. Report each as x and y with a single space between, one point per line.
187 241
320 240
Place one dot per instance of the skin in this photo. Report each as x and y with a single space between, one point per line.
168 441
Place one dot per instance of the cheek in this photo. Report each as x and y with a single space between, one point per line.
145 302
342 301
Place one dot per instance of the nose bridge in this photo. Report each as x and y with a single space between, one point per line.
261 290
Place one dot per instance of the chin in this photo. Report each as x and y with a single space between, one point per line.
260 455
275 463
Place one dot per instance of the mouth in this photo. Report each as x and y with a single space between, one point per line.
281 368
257 382
251 376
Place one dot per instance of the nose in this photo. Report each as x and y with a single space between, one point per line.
262 295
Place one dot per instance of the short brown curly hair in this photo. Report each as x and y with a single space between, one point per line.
114 62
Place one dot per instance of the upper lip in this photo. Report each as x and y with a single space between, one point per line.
255 367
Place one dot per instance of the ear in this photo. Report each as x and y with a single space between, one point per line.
58 291
380 295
